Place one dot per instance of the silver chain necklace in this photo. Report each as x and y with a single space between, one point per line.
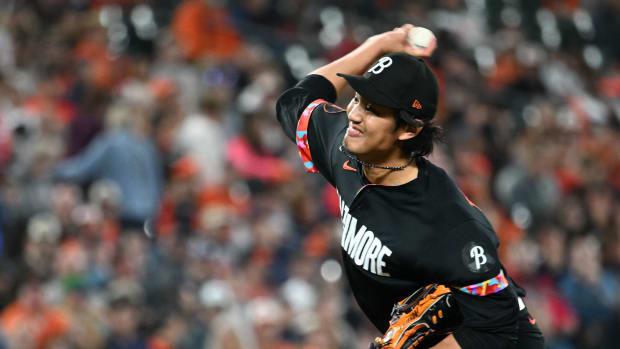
367 164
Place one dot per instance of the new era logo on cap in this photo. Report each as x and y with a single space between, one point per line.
397 79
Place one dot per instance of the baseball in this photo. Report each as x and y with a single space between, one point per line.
419 37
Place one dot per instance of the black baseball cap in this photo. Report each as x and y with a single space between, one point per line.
400 81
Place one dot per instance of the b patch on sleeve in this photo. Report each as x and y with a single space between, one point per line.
301 136
476 258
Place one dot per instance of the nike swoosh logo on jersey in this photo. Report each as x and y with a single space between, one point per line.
347 167
532 320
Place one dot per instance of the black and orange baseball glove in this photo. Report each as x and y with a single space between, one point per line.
421 320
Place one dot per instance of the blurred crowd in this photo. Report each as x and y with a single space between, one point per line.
149 199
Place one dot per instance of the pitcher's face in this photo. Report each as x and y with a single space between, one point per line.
372 132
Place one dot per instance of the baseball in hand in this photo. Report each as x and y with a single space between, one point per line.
422 39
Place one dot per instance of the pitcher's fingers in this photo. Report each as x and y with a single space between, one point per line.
404 28
407 27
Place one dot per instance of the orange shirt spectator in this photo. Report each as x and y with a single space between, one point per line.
204 30
29 320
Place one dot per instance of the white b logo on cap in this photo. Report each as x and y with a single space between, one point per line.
383 63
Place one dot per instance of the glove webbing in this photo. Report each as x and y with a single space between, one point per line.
413 318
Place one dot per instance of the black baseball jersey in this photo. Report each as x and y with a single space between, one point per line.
396 239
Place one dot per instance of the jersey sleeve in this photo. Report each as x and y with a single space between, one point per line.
310 119
466 259
468 262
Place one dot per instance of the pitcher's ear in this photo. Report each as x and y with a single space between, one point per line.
411 127
409 132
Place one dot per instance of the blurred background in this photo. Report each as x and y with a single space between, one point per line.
148 198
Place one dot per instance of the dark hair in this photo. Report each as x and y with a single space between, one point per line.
422 144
